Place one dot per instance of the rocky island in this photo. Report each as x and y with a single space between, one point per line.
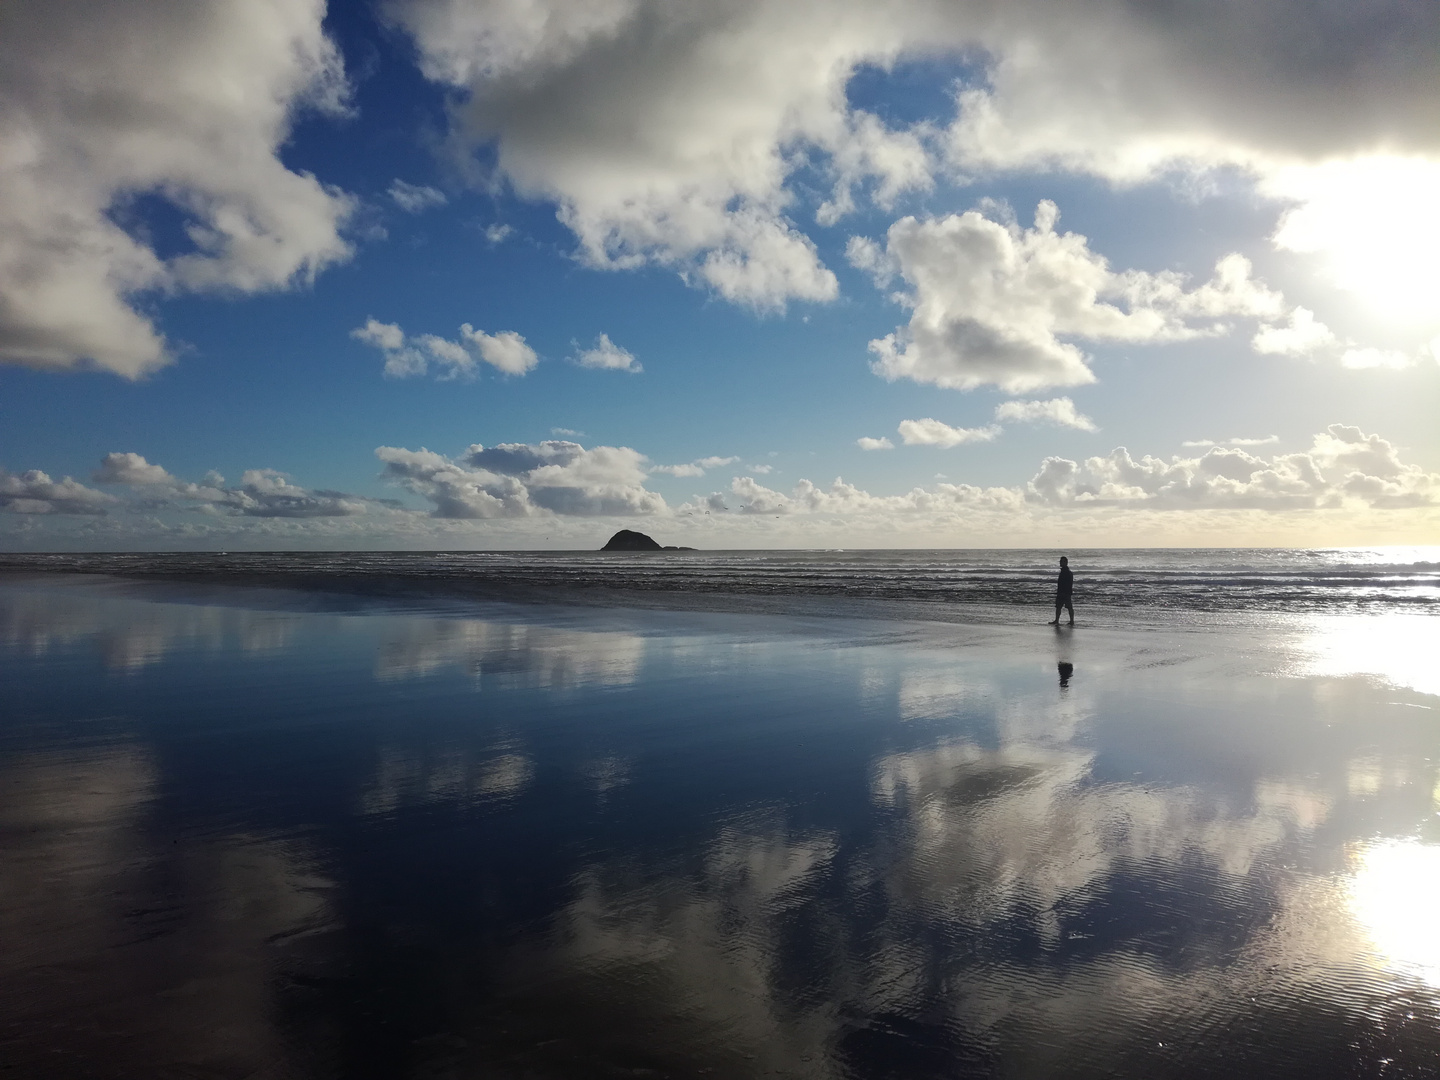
628 540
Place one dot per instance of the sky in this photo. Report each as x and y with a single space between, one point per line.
470 274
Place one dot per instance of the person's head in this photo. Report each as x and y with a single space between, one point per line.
1064 561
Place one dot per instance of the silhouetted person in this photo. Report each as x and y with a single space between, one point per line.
1063 585
1066 670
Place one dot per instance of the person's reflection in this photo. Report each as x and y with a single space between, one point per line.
1066 669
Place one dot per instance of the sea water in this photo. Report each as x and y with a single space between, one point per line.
1133 581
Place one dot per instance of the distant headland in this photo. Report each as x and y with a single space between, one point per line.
628 540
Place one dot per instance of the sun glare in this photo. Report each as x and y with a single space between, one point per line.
1392 895
1376 222
1400 650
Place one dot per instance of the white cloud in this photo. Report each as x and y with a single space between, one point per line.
1268 440
930 432
1343 465
1377 358
762 470
406 356
566 431
1301 337
505 351
695 468
841 498
104 101
416 198
667 133
1265 440
525 480
34 492
673 132
498 234
608 356
991 301
1058 411
131 470
865 442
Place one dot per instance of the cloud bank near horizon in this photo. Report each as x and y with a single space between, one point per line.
466 497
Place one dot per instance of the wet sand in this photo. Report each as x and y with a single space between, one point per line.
249 833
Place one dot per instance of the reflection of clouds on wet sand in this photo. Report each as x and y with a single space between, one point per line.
511 654
131 634
990 832
412 777
703 952
155 954
1016 903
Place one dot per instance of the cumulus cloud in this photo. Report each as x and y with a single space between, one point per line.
930 432
667 133
416 198
131 470
990 302
261 493
673 133
608 356
513 480
107 103
33 492
406 356
1301 336
865 442
1342 465
505 351
1058 411
268 493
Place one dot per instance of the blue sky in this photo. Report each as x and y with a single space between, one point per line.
955 257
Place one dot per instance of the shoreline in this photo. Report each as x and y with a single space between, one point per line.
1393 648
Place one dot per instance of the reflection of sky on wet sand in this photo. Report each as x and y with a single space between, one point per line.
131 634
678 844
512 654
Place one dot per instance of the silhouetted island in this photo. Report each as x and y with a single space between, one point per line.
627 540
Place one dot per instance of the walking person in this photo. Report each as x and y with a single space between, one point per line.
1063 585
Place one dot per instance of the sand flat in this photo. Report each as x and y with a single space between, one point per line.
251 832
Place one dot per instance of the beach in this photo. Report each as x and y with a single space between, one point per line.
263 829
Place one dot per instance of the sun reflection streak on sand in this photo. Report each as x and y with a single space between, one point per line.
1400 650
1392 895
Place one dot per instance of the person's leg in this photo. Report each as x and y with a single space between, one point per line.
1056 620
1071 609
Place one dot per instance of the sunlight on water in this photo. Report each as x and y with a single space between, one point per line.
1394 895
1402 650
